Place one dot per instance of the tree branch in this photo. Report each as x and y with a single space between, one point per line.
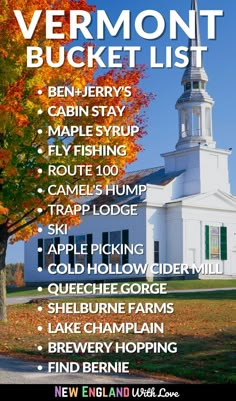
22 218
23 226
29 221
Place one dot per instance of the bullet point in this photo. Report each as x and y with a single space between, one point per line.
40 131
39 210
40 308
40 367
40 269
40 249
40 151
40 328
40 348
40 289
40 230
40 190
40 170
40 92
40 111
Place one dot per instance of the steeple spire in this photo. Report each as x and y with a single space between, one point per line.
192 71
197 40
195 104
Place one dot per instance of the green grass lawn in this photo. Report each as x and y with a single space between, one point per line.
172 285
25 291
203 325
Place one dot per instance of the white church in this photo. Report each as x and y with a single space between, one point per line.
187 215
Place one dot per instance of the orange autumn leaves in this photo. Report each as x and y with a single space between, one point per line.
19 120
189 319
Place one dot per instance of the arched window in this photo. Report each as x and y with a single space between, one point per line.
208 121
184 123
196 121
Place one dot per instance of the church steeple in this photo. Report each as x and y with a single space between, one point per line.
195 104
194 42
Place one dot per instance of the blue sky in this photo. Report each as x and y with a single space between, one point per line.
219 63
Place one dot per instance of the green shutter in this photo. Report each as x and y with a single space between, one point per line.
57 257
40 254
207 242
105 258
125 241
223 243
89 243
71 253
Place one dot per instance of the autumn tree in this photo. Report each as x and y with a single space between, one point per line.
18 276
24 139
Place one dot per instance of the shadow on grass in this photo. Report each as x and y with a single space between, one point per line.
209 360
201 359
12 289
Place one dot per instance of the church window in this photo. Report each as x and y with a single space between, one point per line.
188 86
216 243
184 123
208 121
196 84
115 238
82 257
196 121
156 252
45 258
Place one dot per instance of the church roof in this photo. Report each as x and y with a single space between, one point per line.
153 176
197 96
215 199
192 72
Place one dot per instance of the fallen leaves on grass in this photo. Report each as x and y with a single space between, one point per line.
204 330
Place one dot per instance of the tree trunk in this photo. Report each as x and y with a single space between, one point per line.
3 296
3 250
